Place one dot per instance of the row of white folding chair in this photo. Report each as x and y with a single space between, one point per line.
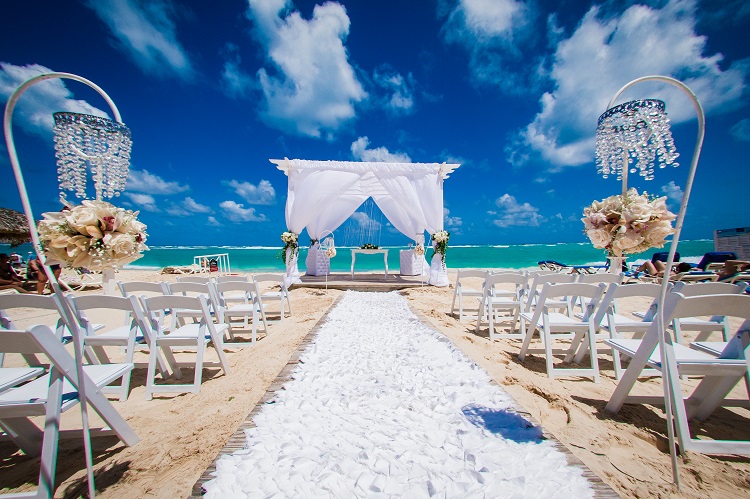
52 394
720 374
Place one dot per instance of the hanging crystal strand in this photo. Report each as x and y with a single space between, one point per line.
84 142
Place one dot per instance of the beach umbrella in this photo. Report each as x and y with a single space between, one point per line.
14 228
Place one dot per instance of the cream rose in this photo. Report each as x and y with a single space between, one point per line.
600 238
121 245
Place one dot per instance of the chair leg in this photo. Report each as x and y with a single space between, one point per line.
528 333
151 373
198 378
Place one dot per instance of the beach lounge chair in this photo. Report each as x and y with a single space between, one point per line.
126 337
552 324
196 335
282 295
495 300
462 291
49 396
572 269
714 260
719 374
84 280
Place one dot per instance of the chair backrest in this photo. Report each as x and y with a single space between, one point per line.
605 277
229 278
275 279
708 288
616 291
551 291
156 307
715 257
539 280
142 288
492 280
129 304
37 302
194 278
680 306
223 287
467 273
663 256
189 288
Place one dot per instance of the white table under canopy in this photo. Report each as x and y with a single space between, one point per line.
322 195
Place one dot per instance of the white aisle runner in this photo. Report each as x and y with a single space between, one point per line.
383 406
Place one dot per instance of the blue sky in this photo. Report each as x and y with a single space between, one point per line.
510 89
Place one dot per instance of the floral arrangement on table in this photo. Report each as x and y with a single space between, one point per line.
290 240
369 246
440 243
95 235
331 252
628 223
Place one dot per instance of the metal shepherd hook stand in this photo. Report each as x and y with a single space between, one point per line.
66 153
642 133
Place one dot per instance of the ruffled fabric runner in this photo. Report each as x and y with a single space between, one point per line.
383 406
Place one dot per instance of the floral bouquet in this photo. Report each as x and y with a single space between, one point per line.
290 242
368 246
95 235
331 252
440 242
628 223
419 250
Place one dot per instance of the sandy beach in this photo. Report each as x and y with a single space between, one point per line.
182 434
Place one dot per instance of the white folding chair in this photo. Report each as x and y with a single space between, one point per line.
461 291
704 327
551 324
252 310
534 287
127 337
615 325
193 289
195 335
230 278
719 374
52 394
604 277
281 295
495 299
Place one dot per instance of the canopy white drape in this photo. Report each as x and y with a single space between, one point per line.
324 194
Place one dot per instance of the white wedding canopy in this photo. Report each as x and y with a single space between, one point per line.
323 194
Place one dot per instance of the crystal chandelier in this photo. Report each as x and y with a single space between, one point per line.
84 142
636 131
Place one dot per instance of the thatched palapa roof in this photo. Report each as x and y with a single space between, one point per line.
14 229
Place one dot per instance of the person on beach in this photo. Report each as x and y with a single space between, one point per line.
35 270
732 268
656 269
9 278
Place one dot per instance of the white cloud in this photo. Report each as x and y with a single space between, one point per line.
143 181
235 212
381 154
177 211
605 53
147 34
511 213
673 191
451 221
741 130
263 193
33 111
144 202
400 99
234 80
213 222
310 88
492 31
193 207
363 221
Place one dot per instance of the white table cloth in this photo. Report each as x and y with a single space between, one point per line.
412 264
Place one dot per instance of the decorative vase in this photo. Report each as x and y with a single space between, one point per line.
615 264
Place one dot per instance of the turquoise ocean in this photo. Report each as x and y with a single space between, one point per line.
516 256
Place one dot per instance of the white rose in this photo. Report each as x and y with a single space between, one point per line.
121 245
625 242
600 238
81 218
657 232
637 212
